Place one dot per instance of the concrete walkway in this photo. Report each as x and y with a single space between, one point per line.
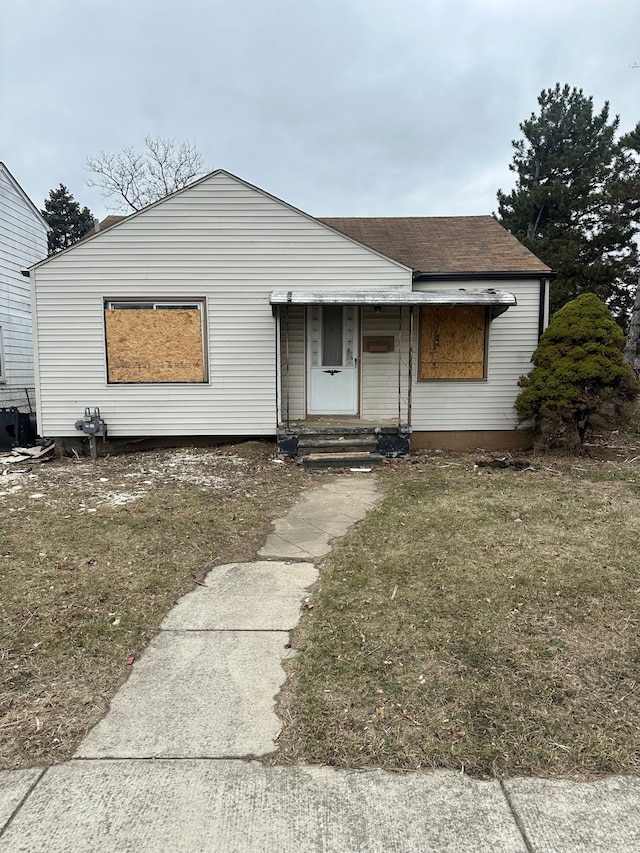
173 765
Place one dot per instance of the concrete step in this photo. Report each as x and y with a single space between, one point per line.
337 444
342 460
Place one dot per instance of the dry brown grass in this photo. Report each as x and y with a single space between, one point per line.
479 619
93 555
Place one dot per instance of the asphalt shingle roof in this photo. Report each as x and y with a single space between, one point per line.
442 244
433 244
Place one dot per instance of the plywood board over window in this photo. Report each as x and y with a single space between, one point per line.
452 342
154 342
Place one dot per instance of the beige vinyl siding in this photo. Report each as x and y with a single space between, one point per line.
378 371
220 240
23 241
444 405
485 405
380 378
292 326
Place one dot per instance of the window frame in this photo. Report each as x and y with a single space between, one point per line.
485 352
165 303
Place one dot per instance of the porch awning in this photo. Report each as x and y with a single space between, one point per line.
497 300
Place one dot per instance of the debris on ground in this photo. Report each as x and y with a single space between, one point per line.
506 462
42 451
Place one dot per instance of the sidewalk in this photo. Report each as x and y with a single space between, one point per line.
174 764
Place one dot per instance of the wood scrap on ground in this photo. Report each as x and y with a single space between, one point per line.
38 453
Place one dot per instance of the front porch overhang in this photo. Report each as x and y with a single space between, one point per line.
498 301
495 301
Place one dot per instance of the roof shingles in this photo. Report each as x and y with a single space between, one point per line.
443 244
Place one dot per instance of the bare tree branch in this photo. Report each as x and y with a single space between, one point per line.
130 180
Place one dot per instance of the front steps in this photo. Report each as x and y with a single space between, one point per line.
342 451
342 446
341 460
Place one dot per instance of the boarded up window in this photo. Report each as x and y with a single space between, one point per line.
452 342
154 342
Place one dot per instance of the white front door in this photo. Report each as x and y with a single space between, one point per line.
332 356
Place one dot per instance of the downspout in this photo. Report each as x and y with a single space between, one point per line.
542 307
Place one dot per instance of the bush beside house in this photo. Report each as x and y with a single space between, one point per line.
580 379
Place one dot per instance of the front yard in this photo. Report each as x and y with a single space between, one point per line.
92 557
481 619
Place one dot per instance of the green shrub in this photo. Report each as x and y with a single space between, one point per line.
579 379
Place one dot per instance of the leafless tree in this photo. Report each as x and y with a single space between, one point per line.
131 179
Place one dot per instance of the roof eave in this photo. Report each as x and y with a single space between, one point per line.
501 275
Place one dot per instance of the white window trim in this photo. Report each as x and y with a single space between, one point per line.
144 305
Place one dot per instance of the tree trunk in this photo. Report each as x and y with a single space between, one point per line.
631 348
532 227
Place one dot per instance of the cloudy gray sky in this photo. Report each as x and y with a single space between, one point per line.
340 107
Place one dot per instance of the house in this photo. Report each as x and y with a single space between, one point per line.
223 311
23 241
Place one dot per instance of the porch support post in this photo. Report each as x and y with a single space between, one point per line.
278 367
286 360
410 377
399 366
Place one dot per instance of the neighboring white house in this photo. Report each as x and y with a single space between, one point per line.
23 241
223 311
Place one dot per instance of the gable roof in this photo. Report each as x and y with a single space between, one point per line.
443 245
24 196
112 220
432 246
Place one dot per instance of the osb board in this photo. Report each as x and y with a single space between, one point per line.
452 342
161 345
451 370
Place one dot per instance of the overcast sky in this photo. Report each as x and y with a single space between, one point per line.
339 107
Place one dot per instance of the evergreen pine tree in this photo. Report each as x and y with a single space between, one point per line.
579 379
573 204
67 220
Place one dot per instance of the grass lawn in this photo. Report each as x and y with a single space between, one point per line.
92 557
478 619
